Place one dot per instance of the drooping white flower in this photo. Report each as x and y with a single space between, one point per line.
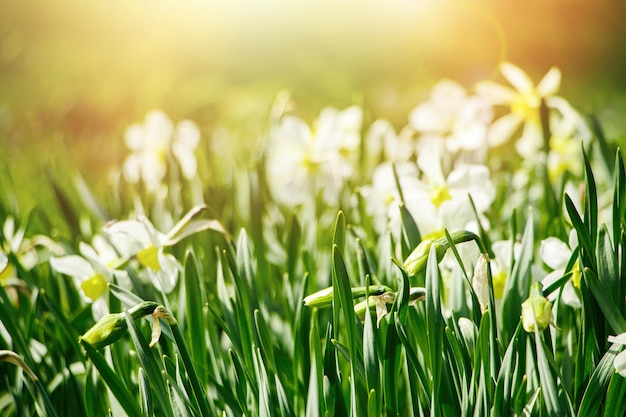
452 116
151 144
302 161
556 254
524 101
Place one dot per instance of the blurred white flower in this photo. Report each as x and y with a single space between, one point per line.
501 264
556 254
461 121
92 273
302 162
152 143
524 101
383 144
440 201
382 196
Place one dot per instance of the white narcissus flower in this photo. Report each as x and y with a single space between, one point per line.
524 101
145 242
441 201
556 254
152 142
450 114
302 161
92 273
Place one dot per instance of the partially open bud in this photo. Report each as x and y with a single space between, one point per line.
112 327
537 309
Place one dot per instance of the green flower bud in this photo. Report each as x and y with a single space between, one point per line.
537 309
112 327
324 298
416 262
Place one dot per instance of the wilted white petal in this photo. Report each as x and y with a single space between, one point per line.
554 252
517 77
550 83
72 265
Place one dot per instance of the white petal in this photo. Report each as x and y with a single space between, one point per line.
503 128
72 265
132 168
531 141
186 159
495 93
517 78
570 296
100 308
167 277
620 364
554 252
550 83
620 338
135 137
188 134
429 162
4 261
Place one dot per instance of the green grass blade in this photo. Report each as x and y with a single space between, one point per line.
115 384
591 403
435 327
517 286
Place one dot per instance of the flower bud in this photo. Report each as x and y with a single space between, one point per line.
537 309
480 281
112 327
416 262
324 298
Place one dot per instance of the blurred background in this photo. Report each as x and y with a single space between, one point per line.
74 75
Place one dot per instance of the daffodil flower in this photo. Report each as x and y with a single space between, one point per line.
303 161
501 264
153 142
441 201
556 254
524 102
453 116
92 276
148 245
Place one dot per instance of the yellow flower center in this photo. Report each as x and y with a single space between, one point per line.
527 106
310 165
7 272
94 287
439 194
149 258
498 280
